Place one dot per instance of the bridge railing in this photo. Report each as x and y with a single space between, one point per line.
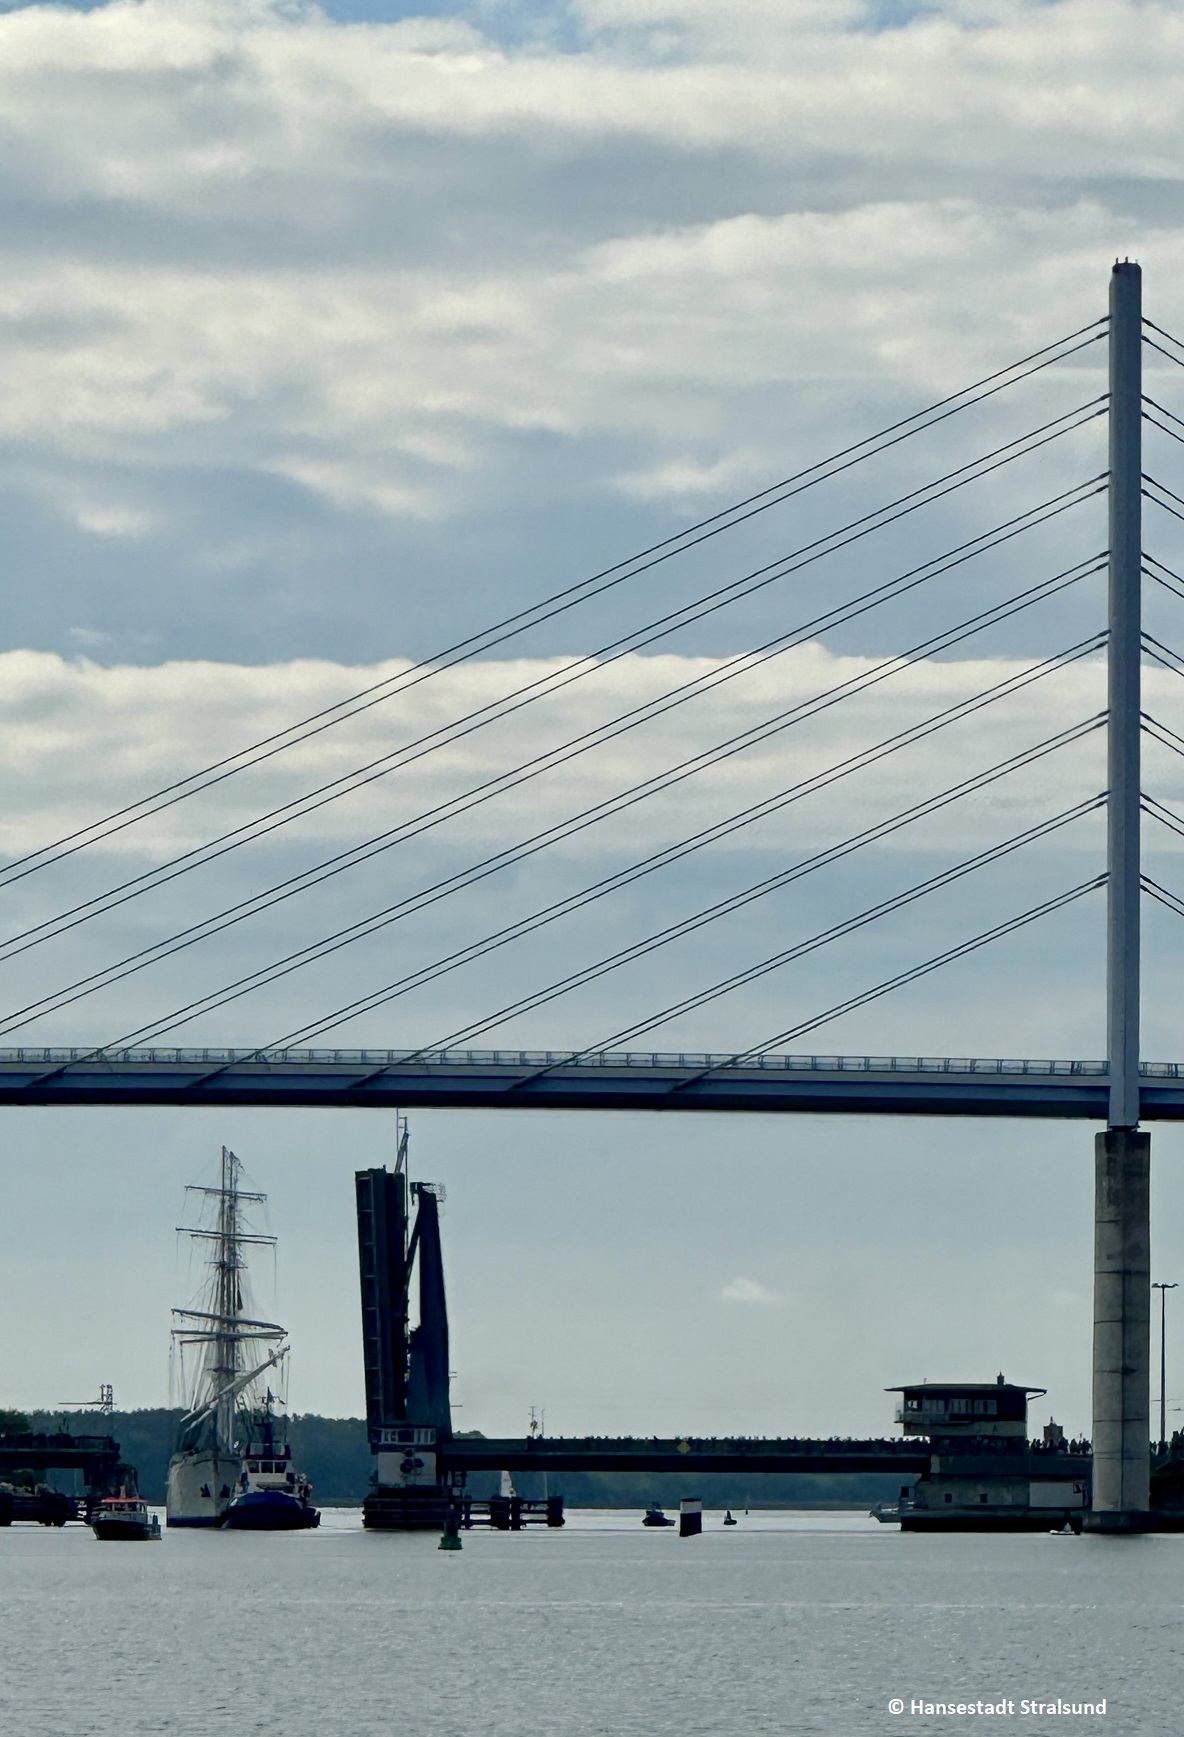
877 1064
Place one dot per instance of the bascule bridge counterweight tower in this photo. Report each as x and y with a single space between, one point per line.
408 1416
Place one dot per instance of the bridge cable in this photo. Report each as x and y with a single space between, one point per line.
1163 410
1171 901
1151 325
624 878
1162 654
1152 345
1153 422
761 889
1046 908
1162 505
1160 733
596 662
804 709
531 846
1160 811
726 670
836 931
561 908
1172 582
557 603
1163 489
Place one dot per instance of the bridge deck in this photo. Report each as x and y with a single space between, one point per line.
96 1455
737 1454
565 1454
540 1079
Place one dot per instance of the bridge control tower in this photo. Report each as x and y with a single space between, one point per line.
996 1409
983 1474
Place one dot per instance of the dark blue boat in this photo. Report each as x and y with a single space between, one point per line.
271 1495
270 1510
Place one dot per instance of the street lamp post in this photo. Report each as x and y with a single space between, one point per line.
1163 1358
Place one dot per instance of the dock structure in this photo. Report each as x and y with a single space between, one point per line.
97 1457
954 1485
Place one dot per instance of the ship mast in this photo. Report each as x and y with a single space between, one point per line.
222 1327
228 1289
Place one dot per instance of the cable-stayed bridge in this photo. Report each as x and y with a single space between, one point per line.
536 1079
673 778
616 1068
662 1071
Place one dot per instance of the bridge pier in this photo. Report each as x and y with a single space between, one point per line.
1122 1155
1122 1332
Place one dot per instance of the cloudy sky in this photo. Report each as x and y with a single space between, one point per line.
333 336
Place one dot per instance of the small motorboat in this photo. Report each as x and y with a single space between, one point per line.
124 1517
655 1517
730 1519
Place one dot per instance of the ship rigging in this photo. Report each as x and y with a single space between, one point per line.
223 1348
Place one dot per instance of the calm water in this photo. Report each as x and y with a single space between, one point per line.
787 1624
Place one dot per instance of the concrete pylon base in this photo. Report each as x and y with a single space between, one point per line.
1119 1524
1122 1328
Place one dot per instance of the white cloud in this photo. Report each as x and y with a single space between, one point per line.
749 1291
77 738
346 319
109 519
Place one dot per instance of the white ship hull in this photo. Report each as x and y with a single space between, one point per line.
201 1487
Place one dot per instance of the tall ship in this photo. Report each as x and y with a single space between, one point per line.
222 1351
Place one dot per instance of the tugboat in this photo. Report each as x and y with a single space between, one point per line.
124 1516
222 1341
271 1495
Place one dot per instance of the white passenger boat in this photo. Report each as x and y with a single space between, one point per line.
124 1517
